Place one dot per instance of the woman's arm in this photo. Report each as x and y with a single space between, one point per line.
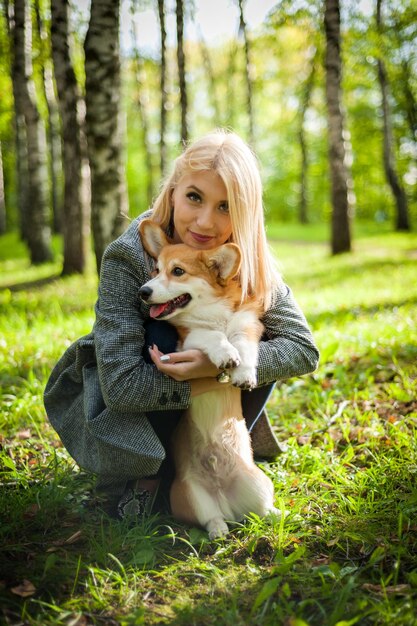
289 349
128 383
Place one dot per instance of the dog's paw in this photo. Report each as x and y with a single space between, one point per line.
225 357
244 377
217 528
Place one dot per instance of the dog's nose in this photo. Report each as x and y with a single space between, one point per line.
145 292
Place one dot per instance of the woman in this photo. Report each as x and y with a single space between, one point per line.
111 398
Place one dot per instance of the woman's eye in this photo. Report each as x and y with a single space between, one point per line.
177 271
193 196
224 207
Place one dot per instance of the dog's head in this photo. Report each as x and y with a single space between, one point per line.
186 277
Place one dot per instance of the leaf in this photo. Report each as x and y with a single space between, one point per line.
144 555
377 555
197 536
24 590
74 538
49 562
268 589
8 462
24 434
401 590
65 542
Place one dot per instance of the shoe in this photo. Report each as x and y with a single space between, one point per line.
138 499
264 442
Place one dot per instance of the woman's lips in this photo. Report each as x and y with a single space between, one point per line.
200 238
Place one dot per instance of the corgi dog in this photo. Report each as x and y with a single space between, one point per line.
216 478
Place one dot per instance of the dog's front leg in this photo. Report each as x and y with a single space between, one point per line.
245 374
244 331
215 344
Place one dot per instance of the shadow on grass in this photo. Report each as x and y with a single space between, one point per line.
346 314
32 284
331 275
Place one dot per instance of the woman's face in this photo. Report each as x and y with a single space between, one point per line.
201 211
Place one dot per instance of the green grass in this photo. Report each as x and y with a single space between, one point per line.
346 553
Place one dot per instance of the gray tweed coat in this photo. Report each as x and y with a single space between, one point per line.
99 392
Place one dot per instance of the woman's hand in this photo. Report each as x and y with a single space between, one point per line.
185 365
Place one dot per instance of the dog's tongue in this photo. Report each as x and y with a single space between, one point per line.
157 309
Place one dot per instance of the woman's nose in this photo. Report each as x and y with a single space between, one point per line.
205 218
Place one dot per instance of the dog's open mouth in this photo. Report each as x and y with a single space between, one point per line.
162 310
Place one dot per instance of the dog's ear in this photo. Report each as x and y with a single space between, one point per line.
153 237
225 260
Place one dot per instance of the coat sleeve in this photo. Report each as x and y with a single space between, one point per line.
128 383
288 348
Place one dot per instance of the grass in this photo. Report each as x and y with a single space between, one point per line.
345 554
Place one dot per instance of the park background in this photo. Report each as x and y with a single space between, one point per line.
88 127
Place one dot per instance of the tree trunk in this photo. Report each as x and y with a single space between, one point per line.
53 127
341 239
248 77
3 221
402 219
37 217
102 82
74 221
181 70
20 133
304 104
163 88
139 71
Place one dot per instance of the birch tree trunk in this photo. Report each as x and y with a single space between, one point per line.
248 77
181 70
20 130
38 229
163 88
53 126
402 219
304 104
74 217
341 238
103 124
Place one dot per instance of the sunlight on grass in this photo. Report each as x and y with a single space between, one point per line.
343 551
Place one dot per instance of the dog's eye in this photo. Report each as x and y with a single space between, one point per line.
154 272
177 271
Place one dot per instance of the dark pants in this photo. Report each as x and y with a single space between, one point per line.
165 336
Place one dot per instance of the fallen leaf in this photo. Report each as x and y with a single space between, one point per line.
24 590
389 590
65 542
31 511
24 434
75 537
333 542
78 620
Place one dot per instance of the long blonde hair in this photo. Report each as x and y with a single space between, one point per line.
231 158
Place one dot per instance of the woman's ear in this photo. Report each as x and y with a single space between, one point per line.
153 237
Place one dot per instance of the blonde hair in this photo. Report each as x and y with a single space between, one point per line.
231 158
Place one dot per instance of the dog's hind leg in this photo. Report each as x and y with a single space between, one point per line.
192 503
251 492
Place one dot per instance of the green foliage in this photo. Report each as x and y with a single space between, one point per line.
343 549
281 53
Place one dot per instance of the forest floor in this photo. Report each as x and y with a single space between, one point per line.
344 553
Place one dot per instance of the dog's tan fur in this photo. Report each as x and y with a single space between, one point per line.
216 477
